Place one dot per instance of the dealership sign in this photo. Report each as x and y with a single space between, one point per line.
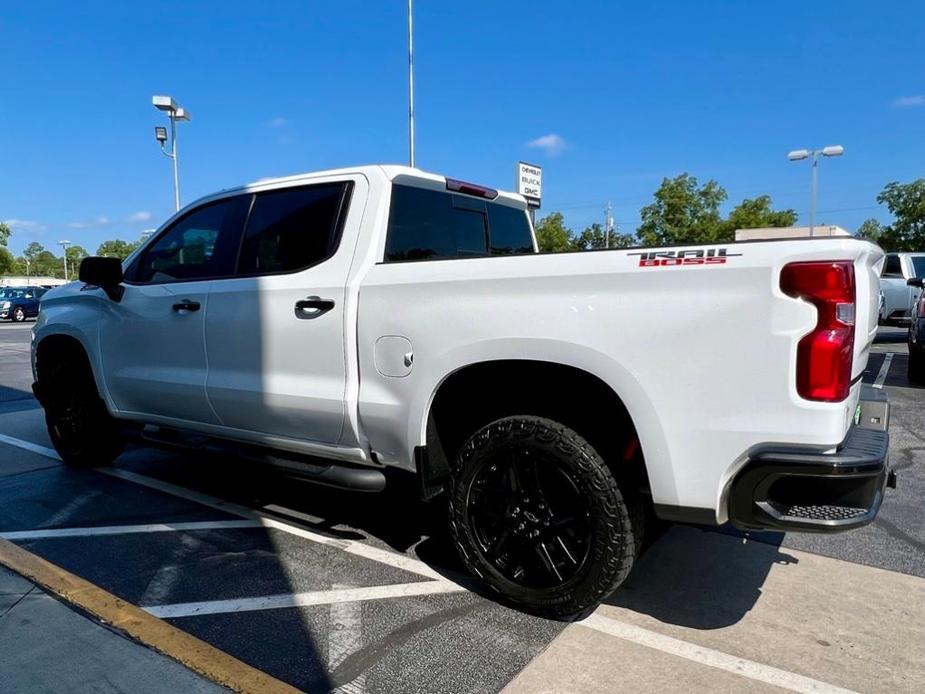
530 182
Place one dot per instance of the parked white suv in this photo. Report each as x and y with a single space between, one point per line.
344 322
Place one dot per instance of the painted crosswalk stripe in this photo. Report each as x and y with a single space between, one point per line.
50 533
285 600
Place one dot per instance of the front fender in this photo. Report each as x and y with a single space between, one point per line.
70 312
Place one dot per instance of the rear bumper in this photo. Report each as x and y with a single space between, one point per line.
808 491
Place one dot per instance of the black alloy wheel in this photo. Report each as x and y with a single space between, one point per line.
528 518
536 513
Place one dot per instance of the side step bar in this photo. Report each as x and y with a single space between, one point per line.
327 473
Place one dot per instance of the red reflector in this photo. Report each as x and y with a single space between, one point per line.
825 355
471 189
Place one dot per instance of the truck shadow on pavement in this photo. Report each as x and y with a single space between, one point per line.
698 578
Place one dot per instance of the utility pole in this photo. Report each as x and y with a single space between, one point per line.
410 84
608 224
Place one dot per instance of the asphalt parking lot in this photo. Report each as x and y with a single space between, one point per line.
323 590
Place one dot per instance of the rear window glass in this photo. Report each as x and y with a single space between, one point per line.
430 224
291 229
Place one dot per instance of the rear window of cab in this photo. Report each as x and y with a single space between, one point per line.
435 225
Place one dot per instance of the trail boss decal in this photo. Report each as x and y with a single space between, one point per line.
701 256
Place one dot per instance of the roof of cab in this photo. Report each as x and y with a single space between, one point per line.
391 171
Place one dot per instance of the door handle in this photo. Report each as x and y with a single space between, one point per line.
313 306
186 305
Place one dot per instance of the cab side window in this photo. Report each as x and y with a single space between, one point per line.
292 229
201 245
892 267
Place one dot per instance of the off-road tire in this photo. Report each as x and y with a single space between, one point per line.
611 544
79 425
18 315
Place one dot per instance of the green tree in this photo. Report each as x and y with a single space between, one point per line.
5 232
74 255
117 248
684 212
7 262
33 250
552 235
48 264
594 237
757 213
871 230
906 201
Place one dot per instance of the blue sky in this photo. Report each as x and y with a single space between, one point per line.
633 92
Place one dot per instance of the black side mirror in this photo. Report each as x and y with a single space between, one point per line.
105 273
916 282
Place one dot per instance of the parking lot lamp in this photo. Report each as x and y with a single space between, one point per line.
64 245
799 155
174 113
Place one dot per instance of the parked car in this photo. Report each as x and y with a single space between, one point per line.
917 335
340 323
19 303
898 295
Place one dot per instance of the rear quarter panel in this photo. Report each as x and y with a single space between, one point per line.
703 356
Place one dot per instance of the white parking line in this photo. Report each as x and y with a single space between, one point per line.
29 446
884 370
598 622
318 597
46 533
393 559
710 657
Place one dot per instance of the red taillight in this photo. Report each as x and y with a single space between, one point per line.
825 355
922 306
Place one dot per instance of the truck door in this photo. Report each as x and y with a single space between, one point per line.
152 340
275 334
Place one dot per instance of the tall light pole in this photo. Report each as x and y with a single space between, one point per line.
174 113
799 155
64 245
411 82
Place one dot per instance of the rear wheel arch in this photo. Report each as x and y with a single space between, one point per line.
479 393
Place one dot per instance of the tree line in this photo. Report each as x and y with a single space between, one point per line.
684 212
38 261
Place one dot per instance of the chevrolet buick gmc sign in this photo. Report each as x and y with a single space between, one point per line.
530 182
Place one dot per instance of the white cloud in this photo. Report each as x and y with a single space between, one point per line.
137 217
552 144
278 122
25 225
98 222
905 101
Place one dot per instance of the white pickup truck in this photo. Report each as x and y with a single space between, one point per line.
344 322
899 296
